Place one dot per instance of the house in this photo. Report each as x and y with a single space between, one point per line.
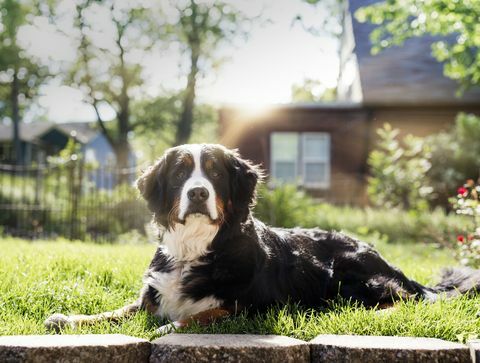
324 147
39 140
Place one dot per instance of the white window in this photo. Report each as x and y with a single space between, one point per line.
301 157
316 159
284 153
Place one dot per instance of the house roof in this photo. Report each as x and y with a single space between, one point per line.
28 132
406 74
83 132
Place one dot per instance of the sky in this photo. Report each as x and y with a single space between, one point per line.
260 70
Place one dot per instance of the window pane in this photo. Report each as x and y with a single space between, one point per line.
316 147
284 146
285 171
315 173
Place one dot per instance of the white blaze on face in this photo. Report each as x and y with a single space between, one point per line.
197 179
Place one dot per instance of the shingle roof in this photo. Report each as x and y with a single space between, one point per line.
28 131
84 131
407 74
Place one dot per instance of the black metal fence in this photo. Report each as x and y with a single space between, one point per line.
70 200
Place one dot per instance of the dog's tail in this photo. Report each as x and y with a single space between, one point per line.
454 282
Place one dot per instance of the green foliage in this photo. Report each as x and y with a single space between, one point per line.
467 203
329 20
15 63
312 91
285 206
456 22
398 171
454 157
156 120
61 199
199 29
106 68
417 172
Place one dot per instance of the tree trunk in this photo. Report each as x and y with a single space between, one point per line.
122 146
184 128
16 120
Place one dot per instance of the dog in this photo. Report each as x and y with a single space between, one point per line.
216 258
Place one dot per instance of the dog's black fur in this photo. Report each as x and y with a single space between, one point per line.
254 266
249 265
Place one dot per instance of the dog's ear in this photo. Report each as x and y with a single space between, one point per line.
244 176
152 185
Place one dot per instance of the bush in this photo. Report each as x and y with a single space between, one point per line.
417 173
467 204
398 172
285 206
454 158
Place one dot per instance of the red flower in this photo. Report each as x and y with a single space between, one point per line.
470 237
460 238
462 191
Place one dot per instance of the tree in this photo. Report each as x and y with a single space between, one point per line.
330 24
200 28
312 90
455 22
160 116
20 75
108 73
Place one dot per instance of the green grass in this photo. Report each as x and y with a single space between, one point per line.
41 278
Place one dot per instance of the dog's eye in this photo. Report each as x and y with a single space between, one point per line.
215 174
180 174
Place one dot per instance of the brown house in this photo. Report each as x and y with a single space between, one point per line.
324 147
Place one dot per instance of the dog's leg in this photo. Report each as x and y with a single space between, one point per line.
58 322
204 318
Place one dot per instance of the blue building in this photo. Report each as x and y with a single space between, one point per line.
39 140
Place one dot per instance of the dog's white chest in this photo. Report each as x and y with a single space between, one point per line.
173 301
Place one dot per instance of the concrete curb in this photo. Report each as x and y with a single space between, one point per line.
228 348
347 348
74 348
232 348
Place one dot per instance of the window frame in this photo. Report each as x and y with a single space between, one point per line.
301 161
326 159
272 161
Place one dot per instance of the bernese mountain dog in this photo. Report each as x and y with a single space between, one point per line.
216 258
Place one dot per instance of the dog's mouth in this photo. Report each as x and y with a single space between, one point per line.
198 211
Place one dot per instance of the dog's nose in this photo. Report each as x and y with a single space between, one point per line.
198 194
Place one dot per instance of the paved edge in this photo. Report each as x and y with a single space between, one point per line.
229 348
232 347
74 348
348 348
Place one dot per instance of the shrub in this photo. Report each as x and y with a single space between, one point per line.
285 206
467 204
398 172
417 173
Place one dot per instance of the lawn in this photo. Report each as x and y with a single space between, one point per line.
43 277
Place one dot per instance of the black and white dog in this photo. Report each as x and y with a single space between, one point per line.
216 258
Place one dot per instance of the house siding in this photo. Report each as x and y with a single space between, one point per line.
352 131
348 146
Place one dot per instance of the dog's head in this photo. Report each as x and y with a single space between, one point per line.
199 180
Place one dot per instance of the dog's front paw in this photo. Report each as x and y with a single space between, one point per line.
58 322
169 328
